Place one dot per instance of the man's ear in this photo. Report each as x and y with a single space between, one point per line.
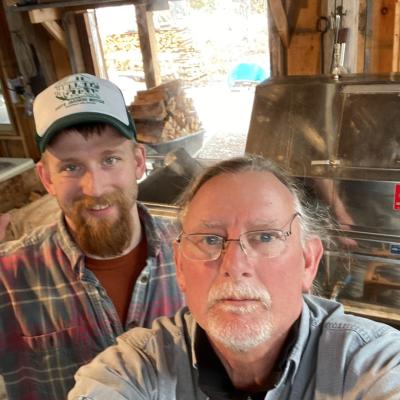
180 277
312 252
44 174
140 158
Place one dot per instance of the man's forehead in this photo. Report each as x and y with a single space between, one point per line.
251 184
255 222
72 138
260 196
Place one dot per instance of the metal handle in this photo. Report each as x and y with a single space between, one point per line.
325 162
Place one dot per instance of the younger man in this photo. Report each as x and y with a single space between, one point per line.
69 289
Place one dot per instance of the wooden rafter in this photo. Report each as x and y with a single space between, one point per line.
48 18
280 19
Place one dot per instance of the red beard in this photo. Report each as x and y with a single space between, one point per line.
103 237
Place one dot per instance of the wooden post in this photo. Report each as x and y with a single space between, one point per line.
368 37
148 45
73 42
362 29
278 59
84 36
396 38
350 21
96 47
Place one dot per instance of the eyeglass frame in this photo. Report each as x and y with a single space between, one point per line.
283 236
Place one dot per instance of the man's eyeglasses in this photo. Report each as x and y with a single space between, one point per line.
267 243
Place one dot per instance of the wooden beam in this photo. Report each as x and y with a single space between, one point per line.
293 12
48 18
84 41
44 15
396 38
73 43
31 44
362 26
69 5
280 19
56 32
61 61
95 44
350 21
148 45
368 37
277 53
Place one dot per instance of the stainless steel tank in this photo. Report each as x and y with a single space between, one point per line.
341 137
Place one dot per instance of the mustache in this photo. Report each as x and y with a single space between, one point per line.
238 291
86 201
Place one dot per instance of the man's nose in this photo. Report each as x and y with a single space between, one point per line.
92 183
234 262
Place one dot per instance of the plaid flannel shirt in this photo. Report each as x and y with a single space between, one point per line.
56 316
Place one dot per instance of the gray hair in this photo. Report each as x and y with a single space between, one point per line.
314 217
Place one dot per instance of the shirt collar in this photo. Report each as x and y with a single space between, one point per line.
308 320
67 244
213 378
151 230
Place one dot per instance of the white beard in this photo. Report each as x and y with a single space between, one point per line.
239 331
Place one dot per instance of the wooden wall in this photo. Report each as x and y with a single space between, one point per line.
371 41
382 35
59 40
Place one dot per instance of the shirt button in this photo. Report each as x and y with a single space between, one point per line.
144 279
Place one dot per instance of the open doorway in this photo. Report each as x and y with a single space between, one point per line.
217 48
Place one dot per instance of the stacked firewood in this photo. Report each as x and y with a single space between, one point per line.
164 113
176 54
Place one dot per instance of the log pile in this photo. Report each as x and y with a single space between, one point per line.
176 53
164 113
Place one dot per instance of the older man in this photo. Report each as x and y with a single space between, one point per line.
247 254
69 289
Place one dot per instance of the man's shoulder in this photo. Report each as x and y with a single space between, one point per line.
338 326
31 241
165 331
33 250
349 351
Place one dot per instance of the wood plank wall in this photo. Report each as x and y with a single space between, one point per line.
383 17
370 43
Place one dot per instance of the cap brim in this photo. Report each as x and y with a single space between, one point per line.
127 131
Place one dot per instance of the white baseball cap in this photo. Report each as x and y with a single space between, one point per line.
80 98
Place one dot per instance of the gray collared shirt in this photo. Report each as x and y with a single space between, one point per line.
336 356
